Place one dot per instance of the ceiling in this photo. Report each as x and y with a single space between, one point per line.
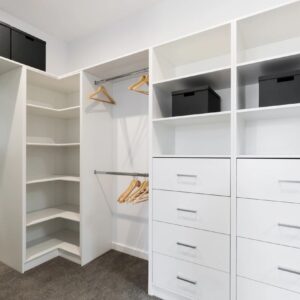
72 19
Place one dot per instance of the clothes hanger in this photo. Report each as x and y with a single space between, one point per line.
133 184
144 188
135 87
102 89
144 197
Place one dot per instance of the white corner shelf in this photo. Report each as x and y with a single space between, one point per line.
53 144
64 113
55 178
68 212
197 119
271 112
66 240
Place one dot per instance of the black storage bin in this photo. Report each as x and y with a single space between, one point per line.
279 89
28 50
5 32
195 101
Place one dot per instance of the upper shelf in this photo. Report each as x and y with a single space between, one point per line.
54 178
64 113
194 54
268 34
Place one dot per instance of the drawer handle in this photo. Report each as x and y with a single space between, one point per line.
187 280
187 175
187 210
289 181
186 245
288 226
288 270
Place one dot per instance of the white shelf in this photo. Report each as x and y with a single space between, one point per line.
216 78
268 156
189 156
271 112
64 113
53 144
68 212
55 178
64 240
194 119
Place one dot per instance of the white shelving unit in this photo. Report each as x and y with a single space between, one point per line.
53 176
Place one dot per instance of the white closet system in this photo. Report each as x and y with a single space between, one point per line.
224 197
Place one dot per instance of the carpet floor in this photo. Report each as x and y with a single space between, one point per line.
113 276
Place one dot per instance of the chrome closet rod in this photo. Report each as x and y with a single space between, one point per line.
121 76
121 173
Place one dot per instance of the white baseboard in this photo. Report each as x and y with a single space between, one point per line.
130 250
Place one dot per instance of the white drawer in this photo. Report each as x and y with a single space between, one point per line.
269 221
252 290
192 210
189 280
268 263
269 179
206 176
202 247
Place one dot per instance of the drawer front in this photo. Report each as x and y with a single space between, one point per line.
269 179
189 280
202 247
252 290
269 221
268 263
192 210
206 176
5 41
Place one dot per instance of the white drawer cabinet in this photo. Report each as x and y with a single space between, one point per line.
252 290
189 280
192 210
269 179
206 176
268 263
269 221
202 247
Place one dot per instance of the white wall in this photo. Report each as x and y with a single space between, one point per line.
56 49
167 20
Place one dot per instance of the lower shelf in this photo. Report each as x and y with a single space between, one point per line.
66 240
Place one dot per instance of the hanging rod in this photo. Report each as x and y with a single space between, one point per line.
122 173
122 76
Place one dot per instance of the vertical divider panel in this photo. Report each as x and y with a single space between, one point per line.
233 157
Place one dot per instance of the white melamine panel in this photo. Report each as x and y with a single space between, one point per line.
269 263
12 166
189 280
206 176
256 40
269 221
269 179
204 51
96 193
64 113
205 248
249 290
192 210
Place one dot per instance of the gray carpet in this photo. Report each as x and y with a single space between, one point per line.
113 276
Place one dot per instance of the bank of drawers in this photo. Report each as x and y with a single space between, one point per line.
268 228
191 227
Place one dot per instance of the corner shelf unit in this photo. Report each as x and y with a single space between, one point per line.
53 153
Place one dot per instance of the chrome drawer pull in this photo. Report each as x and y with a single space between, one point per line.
289 181
288 226
289 270
187 280
187 175
186 245
187 210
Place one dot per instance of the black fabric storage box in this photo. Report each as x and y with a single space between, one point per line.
195 101
28 49
279 89
5 40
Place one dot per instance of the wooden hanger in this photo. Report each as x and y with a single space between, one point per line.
135 87
102 89
144 188
124 196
